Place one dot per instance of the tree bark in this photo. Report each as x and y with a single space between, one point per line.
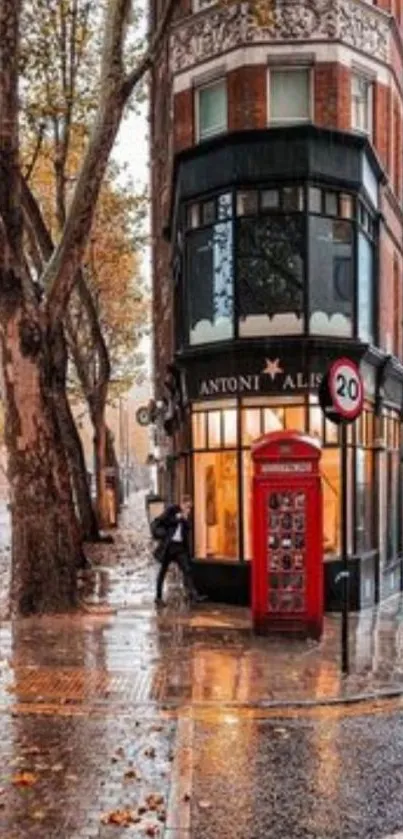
71 441
40 238
45 537
46 543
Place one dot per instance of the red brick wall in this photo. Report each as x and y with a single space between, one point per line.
332 96
382 123
247 98
183 119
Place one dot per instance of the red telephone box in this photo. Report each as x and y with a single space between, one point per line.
287 567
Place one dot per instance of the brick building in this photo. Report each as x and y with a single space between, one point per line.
277 224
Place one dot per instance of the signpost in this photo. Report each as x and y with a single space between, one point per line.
341 396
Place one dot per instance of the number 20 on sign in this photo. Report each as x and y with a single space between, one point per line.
342 392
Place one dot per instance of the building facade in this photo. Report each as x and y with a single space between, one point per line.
277 240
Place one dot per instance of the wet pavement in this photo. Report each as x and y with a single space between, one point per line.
119 720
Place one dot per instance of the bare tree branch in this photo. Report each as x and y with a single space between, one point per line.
115 89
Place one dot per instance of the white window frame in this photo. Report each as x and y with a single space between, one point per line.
369 81
291 68
220 80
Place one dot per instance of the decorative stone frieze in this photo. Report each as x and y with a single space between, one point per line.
222 28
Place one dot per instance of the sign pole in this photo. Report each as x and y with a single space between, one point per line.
341 397
344 552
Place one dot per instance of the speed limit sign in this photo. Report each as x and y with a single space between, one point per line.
341 393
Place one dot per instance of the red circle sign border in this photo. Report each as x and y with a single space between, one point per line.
341 362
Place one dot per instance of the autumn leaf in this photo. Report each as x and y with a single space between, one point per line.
121 818
24 779
132 775
149 752
154 801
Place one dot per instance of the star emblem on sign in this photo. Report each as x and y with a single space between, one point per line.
273 368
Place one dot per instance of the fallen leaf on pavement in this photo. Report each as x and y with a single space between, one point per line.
150 751
152 830
121 818
186 797
282 731
38 815
131 775
154 801
24 779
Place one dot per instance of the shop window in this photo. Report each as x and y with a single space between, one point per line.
216 505
361 103
230 431
331 488
199 430
365 289
331 277
251 425
214 429
209 279
270 272
290 95
364 500
273 419
211 109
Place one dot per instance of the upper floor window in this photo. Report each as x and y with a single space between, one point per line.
361 103
211 109
290 95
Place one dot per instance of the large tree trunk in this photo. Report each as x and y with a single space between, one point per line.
71 440
98 420
46 543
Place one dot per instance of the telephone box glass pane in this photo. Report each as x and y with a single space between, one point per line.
286 517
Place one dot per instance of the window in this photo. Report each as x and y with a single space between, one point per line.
331 287
361 104
216 502
209 285
211 109
290 99
365 289
270 273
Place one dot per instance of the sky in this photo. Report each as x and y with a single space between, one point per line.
131 149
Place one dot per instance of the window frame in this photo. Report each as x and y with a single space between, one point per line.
198 90
291 68
369 81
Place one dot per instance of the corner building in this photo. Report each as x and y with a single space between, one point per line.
277 243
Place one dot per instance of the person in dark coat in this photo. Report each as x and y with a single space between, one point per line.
172 529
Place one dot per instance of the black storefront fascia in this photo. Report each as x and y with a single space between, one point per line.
239 370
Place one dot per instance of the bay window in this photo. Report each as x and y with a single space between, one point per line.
279 260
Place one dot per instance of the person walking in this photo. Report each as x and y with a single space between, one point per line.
172 529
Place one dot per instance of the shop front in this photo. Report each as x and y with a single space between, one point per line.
233 398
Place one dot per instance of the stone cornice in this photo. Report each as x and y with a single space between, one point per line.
219 29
